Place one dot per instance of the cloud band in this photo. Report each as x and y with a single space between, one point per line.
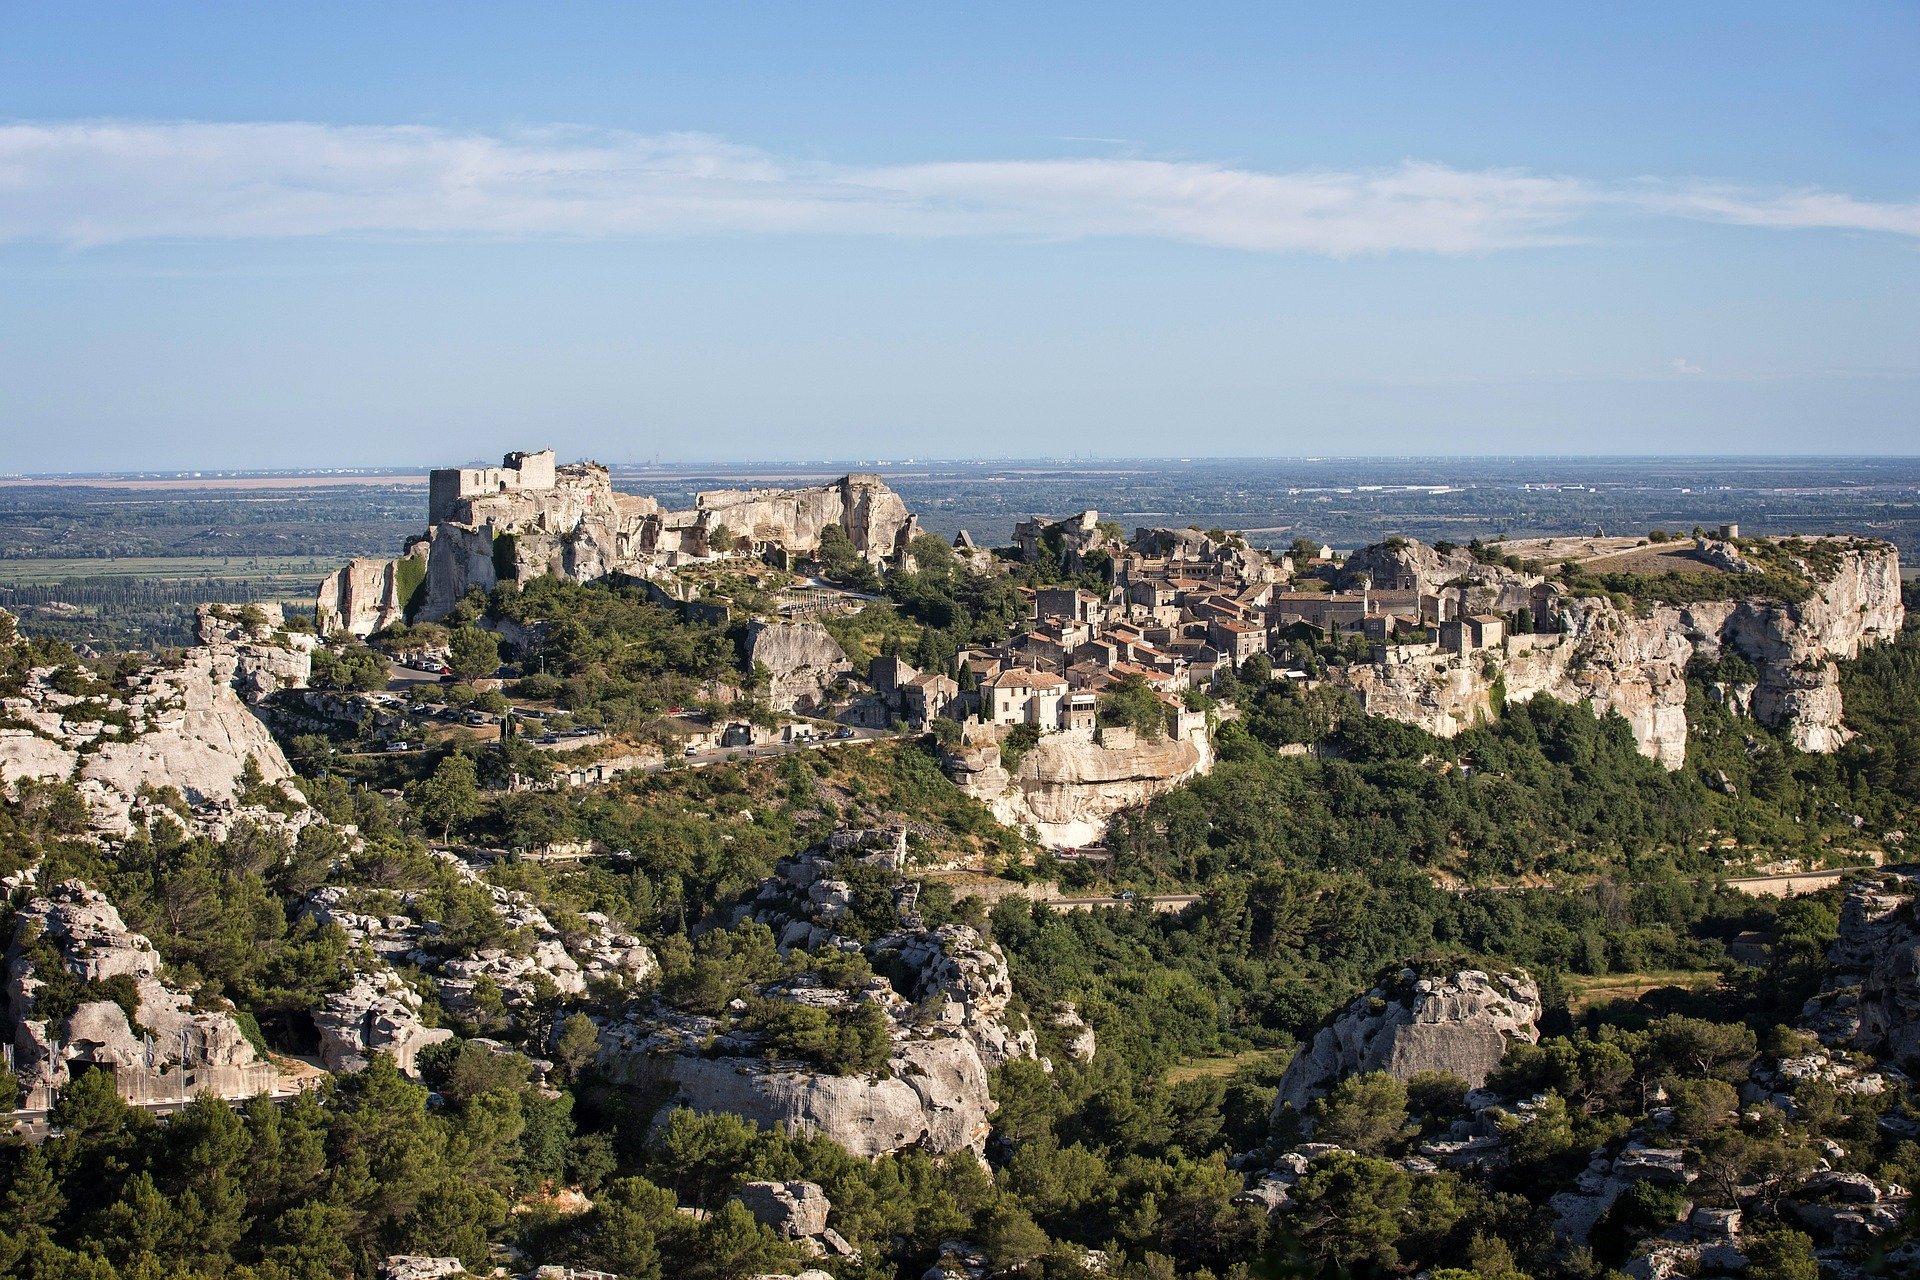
90 183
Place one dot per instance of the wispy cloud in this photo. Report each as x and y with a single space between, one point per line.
88 183
1679 364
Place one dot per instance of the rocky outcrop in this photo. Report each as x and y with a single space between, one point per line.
933 1096
486 524
252 651
802 662
946 995
1067 787
1871 998
1403 564
796 1211
792 1210
1078 1036
376 1014
366 595
167 1052
967 976
1460 1023
181 724
380 1013
1635 663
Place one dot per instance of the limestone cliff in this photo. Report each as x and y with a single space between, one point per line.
801 659
1635 662
946 994
1871 998
167 1053
1069 785
573 524
181 724
1460 1023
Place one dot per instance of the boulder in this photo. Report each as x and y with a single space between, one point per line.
1460 1023
417 1267
934 1097
793 1210
377 1013
1079 1037
802 659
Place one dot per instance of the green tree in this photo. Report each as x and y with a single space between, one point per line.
576 1045
450 797
1780 1253
1365 1112
474 653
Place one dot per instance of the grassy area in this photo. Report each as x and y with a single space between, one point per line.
43 572
1224 1064
1584 992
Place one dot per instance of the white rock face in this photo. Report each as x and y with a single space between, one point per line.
947 999
1871 998
187 726
379 1014
1460 1024
802 659
794 1210
364 596
578 527
376 1014
1636 665
173 1055
1081 1043
1068 787
968 975
935 1098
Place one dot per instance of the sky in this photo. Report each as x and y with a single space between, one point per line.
295 235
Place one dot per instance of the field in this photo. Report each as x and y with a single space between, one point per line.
307 570
1224 1064
1585 992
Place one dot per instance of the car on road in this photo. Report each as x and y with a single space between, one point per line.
843 733
692 751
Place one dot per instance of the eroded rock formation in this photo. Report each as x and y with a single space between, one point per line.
1460 1023
530 517
1635 662
802 661
378 1013
1067 787
1871 998
948 1002
183 724
71 935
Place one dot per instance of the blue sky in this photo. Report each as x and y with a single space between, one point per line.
309 235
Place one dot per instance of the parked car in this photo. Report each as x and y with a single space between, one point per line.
692 751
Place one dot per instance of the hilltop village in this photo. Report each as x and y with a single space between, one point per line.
1435 636
774 888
